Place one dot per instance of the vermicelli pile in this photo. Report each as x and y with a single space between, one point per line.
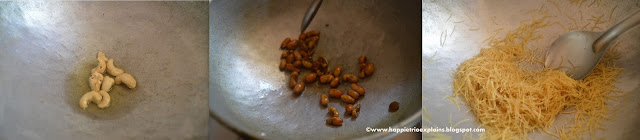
510 101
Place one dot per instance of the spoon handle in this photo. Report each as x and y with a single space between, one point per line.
604 41
311 12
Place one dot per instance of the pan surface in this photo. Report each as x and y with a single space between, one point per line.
454 31
249 93
48 48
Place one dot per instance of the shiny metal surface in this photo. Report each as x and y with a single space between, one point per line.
573 53
466 24
48 48
308 16
584 49
249 93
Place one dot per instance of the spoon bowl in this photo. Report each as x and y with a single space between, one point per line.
573 53
578 52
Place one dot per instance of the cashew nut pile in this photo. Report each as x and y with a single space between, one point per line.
297 56
101 84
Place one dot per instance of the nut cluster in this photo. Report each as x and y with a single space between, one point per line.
298 56
101 84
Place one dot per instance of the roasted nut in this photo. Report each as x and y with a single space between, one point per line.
350 78
310 78
335 82
312 43
297 55
307 64
292 45
285 43
369 69
303 45
348 109
322 63
308 39
355 111
324 100
361 74
358 89
302 36
283 64
293 81
337 71
310 52
298 88
297 64
284 54
336 121
362 66
335 93
326 78
313 33
354 94
292 68
354 114
333 111
394 106
290 58
362 59
347 99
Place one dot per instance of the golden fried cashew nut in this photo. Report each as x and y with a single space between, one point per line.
95 81
107 83
127 79
106 99
91 96
113 70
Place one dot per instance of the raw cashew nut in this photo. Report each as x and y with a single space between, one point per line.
113 70
126 79
92 96
107 83
102 63
102 66
106 99
95 81
102 56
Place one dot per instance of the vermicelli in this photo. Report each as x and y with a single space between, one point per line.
511 101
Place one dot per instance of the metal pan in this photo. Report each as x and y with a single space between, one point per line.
48 48
454 31
249 93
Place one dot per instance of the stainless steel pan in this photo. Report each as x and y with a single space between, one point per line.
48 48
454 31
249 93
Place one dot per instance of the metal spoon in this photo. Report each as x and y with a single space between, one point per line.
311 12
582 50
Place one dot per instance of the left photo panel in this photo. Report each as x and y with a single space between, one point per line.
104 70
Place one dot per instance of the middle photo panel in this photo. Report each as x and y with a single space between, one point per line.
279 72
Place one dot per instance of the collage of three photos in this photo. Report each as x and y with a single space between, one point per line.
319 69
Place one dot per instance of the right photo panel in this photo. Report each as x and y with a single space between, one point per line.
554 69
314 69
